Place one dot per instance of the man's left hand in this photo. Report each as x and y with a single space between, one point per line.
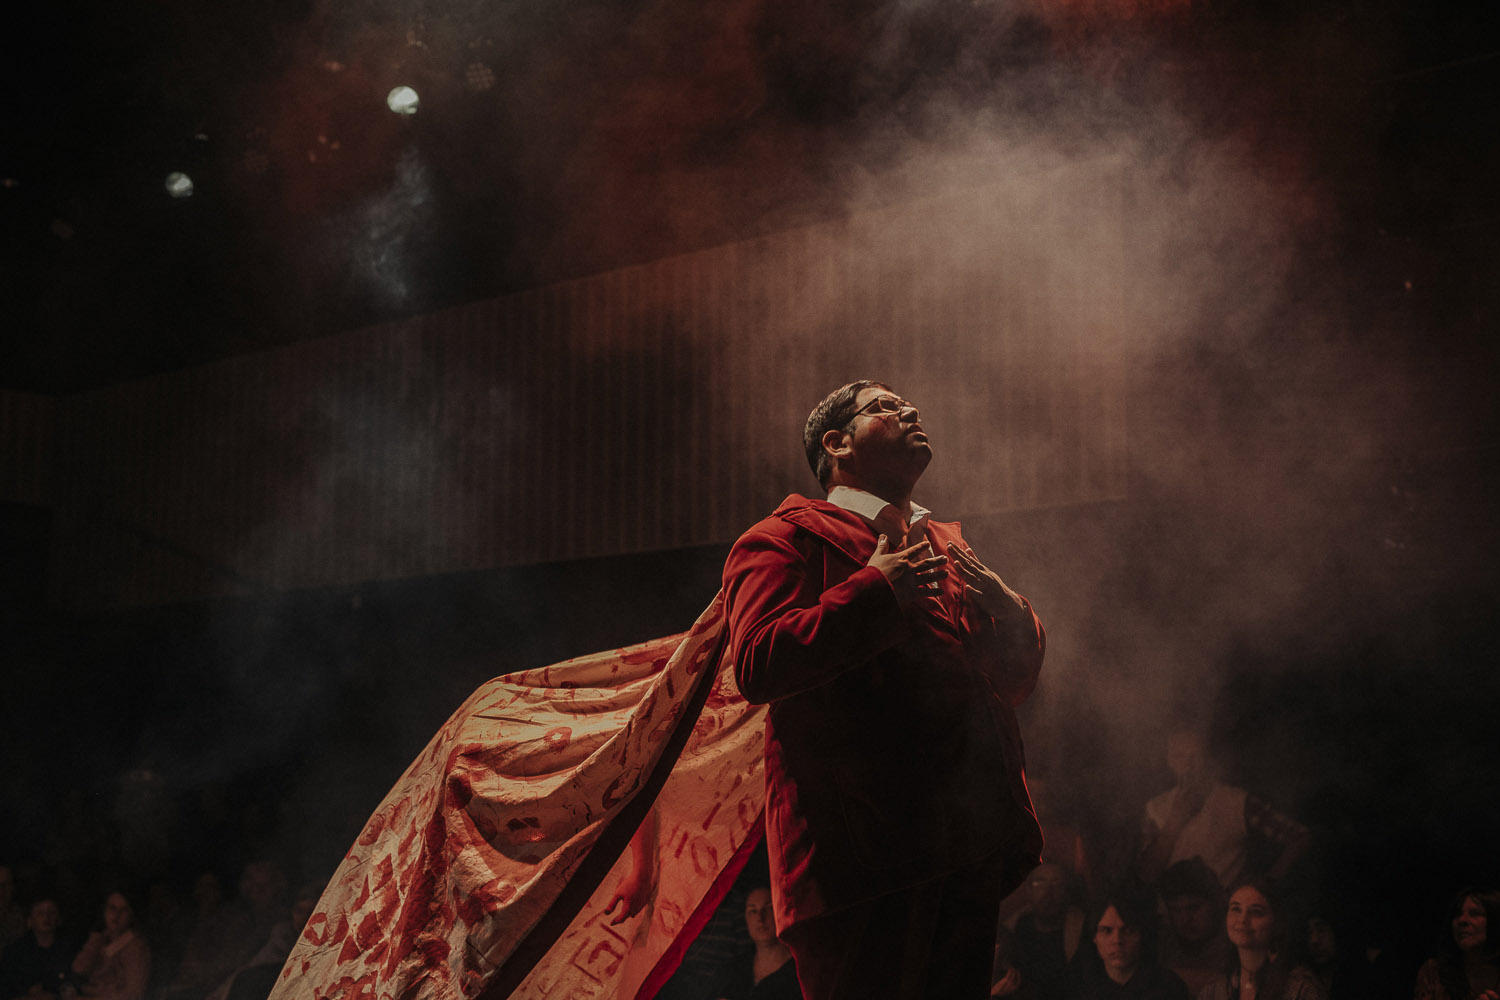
990 593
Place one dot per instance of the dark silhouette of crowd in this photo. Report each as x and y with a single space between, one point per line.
1217 898
143 895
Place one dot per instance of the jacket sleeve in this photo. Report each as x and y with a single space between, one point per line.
787 634
1010 652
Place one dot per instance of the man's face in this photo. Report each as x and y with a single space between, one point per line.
1049 890
1321 944
1119 944
45 916
887 436
1192 919
1187 758
117 914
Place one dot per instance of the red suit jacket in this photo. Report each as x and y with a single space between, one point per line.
892 750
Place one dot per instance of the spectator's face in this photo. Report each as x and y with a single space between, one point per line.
1119 945
207 892
1250 922
1192 919
1471 926
260 884
302 910
1321 945
118 915
759 918
45 916
1186 758
1048 890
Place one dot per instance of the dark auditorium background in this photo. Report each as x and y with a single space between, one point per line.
1199 298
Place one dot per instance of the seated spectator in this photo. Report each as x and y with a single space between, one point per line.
1345 969
1202 817
767 973
226 935
12 917
115 962
1123 965
166 924
1193 942
219 940
42 960
1005 976
1063 844
262 896
1261 967
1469 966
1046 935
264 965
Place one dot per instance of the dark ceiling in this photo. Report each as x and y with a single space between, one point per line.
560 139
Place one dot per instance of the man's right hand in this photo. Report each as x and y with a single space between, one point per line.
913 572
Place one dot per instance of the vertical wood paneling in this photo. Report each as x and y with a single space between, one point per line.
655 406
28 442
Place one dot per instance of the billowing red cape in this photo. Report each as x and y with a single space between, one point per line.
486 870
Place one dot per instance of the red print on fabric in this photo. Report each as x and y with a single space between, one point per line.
437 890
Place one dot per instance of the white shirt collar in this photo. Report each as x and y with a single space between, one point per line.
871 507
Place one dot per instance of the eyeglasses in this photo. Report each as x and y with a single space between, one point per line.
884 406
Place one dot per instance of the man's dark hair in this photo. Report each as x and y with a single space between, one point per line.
834 413
1137 909
1190 877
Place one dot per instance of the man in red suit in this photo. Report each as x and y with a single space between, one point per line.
892 660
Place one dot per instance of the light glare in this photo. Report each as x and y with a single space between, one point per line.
179 185
403 100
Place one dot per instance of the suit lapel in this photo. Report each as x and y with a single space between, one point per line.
852 535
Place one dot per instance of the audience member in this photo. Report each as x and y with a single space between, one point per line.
1202 817
1469 967
1005 977
1123 965
768 972
263 966
1193 942
1345 969
262 896
1261 968
1046 935
166 924
42 960
12 917
220 938
1063 844
115 962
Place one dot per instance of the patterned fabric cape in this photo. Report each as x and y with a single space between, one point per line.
486 870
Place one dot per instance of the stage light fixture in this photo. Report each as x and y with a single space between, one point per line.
179 185
402 100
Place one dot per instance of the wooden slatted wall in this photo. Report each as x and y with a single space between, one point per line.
651 407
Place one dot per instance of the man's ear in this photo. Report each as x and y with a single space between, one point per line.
837 443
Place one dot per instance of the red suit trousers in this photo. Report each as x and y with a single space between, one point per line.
931 941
